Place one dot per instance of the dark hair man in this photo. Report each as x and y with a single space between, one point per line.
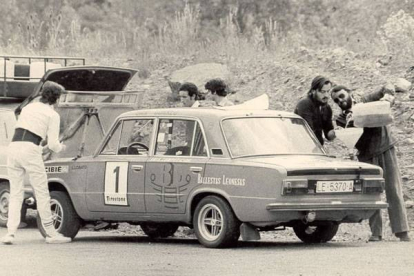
189 95
37 121
376 146
219 91
315 109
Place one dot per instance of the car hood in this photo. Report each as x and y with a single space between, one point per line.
317 165
84 78
90 78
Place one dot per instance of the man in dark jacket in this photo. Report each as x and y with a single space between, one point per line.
315 109
376 146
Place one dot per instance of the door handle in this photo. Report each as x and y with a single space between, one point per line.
137 168
196 169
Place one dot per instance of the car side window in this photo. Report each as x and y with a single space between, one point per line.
111 147
180 138
131 137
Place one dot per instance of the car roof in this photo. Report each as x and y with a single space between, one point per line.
208 113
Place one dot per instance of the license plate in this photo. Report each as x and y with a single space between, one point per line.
334 186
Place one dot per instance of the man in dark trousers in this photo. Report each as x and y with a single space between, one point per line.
376 146
314 108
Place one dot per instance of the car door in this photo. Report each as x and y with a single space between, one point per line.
116 176
176 167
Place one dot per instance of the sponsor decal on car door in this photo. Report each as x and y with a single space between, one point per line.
116 183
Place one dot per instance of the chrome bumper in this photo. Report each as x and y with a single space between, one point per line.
333 206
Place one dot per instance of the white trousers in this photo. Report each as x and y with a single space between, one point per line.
26 158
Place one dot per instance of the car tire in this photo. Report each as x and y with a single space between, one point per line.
65 218
159 230
4 205
215 224
316 234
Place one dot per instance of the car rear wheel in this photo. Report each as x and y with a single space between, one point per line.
316 233
65 219
215 224
4 205
159 230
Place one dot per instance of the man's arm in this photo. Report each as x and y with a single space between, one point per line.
328 128
379 94
304 110
53 134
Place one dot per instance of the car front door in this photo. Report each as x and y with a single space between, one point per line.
116 176
176 167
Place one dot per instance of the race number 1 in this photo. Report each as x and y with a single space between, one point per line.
116 183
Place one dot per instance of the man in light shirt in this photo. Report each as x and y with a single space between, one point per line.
37 121
219 91
189 95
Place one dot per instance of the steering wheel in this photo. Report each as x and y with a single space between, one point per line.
143 146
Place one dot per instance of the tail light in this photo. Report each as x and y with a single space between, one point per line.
295 186
372 186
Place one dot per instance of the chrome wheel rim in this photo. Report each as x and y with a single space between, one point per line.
210 222
57 213
4 205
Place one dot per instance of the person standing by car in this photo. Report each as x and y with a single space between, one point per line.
376 146
219 90
37 121
189 95
314 108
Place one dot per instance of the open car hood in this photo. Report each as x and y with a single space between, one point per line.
90 78
84 78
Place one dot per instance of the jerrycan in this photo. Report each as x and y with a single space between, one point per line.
372 114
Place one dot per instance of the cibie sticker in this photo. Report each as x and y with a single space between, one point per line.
116 183
57 169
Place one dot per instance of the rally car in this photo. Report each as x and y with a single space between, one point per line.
218 171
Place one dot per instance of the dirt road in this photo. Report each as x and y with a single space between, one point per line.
109 253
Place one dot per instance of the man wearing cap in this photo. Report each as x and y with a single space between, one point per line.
314 108
219 91
37 121
376 146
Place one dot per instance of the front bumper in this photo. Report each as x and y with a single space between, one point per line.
332 206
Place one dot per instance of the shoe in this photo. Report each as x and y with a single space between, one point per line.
58 238
8 239
22 225
102 225
403 236
375 238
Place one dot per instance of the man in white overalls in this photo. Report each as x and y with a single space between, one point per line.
37 121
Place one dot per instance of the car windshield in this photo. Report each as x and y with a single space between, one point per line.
269 136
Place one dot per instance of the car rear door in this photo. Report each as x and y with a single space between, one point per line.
176 167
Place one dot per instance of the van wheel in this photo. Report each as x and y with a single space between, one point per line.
316 233
159 230
215 224
65 219
4 205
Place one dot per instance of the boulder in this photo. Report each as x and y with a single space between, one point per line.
198 74
402 85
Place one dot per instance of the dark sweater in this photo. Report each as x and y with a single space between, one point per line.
319 117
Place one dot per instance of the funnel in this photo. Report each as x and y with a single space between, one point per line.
349 136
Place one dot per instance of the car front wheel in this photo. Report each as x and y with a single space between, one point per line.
65 219
159 230
215 224
316 233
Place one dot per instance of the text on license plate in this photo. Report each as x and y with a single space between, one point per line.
334 186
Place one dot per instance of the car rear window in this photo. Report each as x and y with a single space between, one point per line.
269 136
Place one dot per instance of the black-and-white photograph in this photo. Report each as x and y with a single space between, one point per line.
206 137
